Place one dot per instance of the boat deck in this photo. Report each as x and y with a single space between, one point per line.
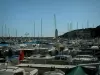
56 66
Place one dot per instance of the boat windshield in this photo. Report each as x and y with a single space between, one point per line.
84 56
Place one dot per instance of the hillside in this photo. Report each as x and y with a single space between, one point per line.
83 33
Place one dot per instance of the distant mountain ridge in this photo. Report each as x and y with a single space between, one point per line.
83 33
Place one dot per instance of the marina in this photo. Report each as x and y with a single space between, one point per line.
44 58
49 37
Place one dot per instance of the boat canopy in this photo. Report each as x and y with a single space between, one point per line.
94 47
77 71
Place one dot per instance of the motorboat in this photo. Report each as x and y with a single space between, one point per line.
84 58
11 70
54 72
39 56
63 57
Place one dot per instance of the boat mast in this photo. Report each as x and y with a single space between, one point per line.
87 24
55 21
2 30
71 26
34 29
16 32
56 31
41 27
68 26
77 31
5 30
93 25
38 35
77 25
82 26
8 32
